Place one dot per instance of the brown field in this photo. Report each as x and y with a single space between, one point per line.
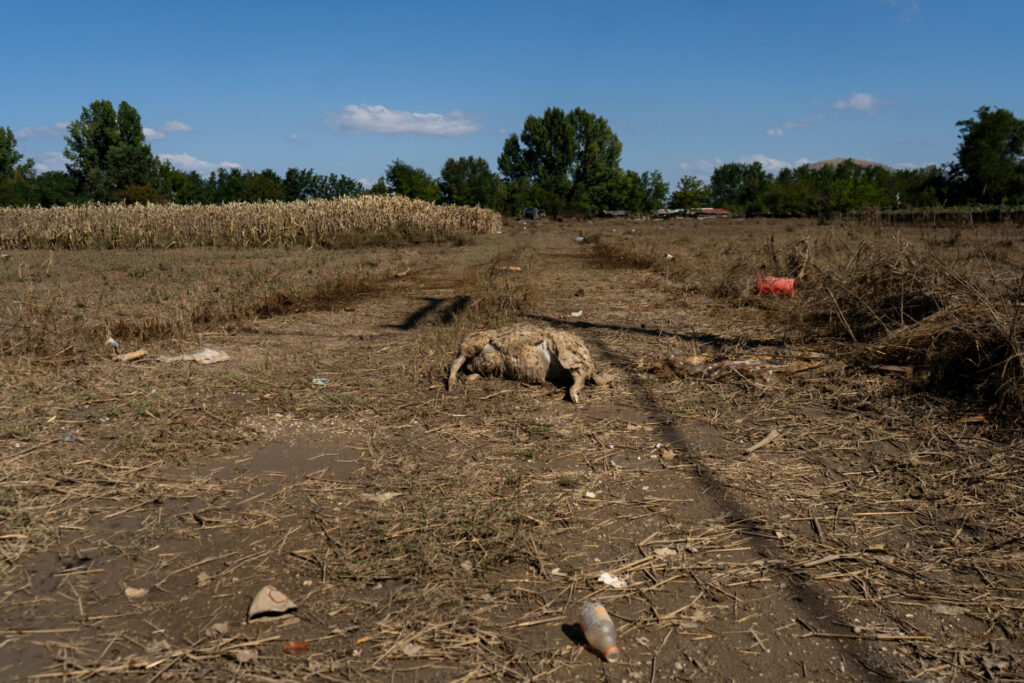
428 535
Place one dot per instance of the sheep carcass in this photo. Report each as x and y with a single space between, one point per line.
527 353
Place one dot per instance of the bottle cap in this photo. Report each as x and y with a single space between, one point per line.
611 654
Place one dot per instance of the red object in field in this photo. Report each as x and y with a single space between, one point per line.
766 285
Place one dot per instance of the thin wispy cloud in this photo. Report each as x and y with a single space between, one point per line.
859 101
803 123
50 161
703 168
794 125
381 120
292 138
175 127
57 130
187 162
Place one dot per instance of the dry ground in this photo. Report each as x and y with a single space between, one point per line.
428 535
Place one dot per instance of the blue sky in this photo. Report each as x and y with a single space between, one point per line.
348 87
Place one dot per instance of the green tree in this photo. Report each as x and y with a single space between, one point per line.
307 184
691 192
989 158
468 181
571 160
262 186
415 183
15 175
741 187
9 155
107 151
644 193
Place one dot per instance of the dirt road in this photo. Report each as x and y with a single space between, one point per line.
428 535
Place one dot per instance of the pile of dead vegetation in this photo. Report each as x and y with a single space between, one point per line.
956 329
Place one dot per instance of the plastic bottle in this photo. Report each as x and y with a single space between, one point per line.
599 630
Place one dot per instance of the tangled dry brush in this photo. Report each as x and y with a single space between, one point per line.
316 222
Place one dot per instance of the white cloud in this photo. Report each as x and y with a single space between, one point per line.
702 168
705 167
175 127
772 165
379 119
293 138
57 130
365 182
802 123
187 162
775 131
153 134
859 101
50 161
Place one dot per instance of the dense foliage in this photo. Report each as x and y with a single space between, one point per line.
565 163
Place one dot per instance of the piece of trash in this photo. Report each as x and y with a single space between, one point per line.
772 435
555 571
578 239
590 494
403 273
68 437
135 593
765 285
203 579
665 552
111 342
412 650
245 655
270 602
320 381
949 610
667 454
296 647
669 257
752 365
218 630
599 630
906 370
131 355
576 314
380 498
612 580
203 357
514 269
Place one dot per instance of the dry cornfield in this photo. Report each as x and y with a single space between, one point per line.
315 222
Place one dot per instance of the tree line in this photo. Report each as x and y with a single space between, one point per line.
567 163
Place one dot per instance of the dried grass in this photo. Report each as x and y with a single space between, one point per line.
331 223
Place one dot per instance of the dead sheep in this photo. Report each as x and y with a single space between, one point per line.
527 353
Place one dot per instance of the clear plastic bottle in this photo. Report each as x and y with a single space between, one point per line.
599 630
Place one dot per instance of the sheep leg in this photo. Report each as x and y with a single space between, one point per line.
577 383
456 366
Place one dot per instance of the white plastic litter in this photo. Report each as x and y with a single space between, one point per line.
270 602
203 357
612 580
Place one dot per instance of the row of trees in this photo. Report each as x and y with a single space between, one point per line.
566 163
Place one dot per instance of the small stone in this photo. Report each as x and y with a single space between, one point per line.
135 593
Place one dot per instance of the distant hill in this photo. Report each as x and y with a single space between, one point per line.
817 165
